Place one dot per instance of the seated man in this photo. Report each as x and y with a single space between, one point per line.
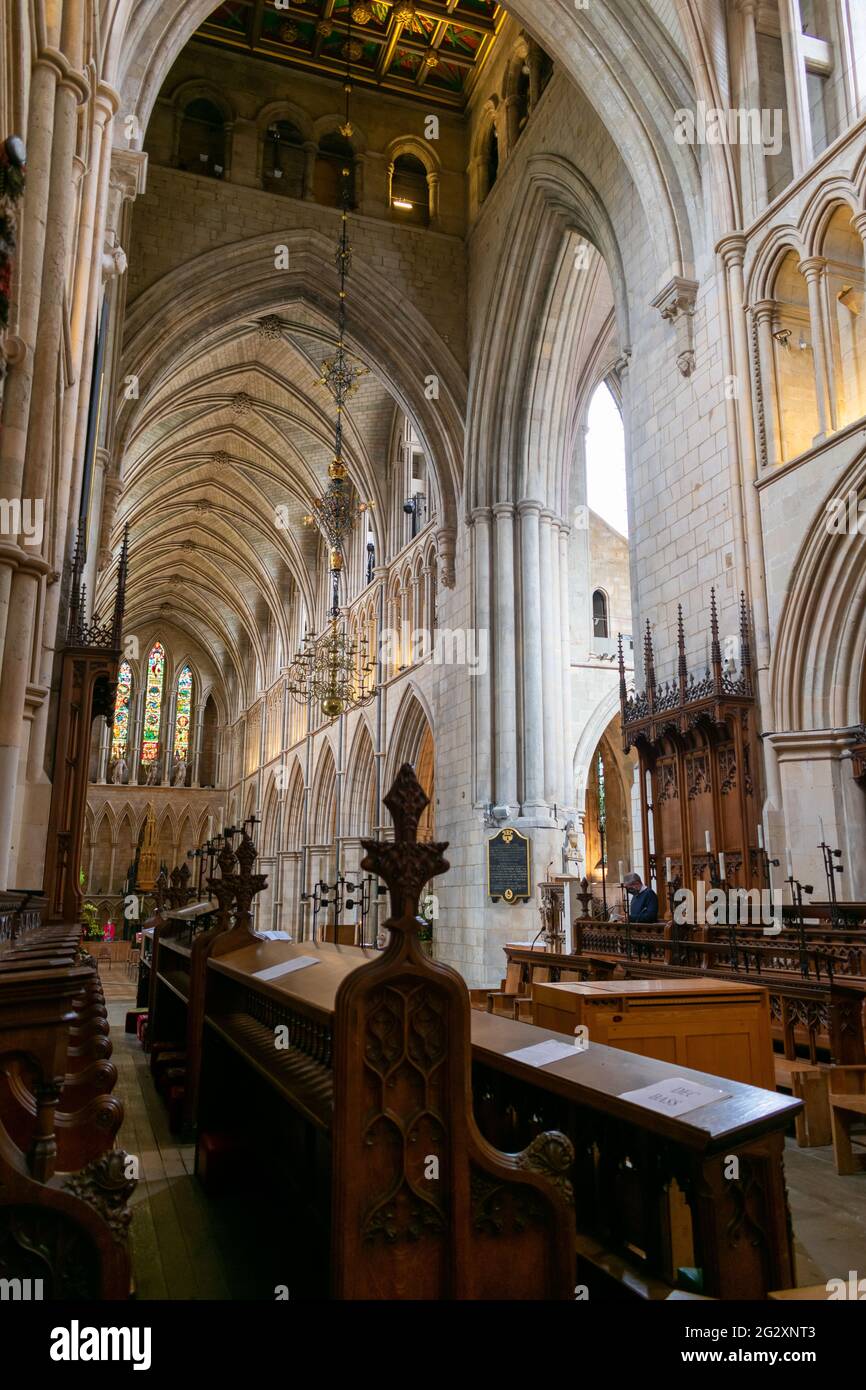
644 905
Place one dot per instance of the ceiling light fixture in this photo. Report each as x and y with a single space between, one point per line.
332 669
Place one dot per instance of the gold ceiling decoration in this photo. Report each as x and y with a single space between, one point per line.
432 50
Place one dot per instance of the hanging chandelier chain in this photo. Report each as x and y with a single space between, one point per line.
335 669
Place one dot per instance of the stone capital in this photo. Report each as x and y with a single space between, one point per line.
763 310
813 267
529 505
732 250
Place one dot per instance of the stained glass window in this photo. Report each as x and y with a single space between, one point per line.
153 704
120 729
184 714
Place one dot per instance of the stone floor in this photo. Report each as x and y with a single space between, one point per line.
187 1247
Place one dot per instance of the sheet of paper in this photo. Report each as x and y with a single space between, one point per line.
274 972
542 1054
675 1097
272 936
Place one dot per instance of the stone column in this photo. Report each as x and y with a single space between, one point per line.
104 749
744 472
136 721
504 644
196 744
551 654
169 714
565 620
753 161
482 685
814 270
763 315
27 287
533 801
24 594
799 123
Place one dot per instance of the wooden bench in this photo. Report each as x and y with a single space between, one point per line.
64 1188
847 1096
347 1081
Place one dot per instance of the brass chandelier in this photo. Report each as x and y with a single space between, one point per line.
332 669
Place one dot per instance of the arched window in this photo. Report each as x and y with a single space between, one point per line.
846 296
202 141
335 154
183 719
410 196
284 158
153 704
795 359
120 727
600 618
606 489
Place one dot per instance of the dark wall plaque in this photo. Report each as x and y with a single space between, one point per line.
508 872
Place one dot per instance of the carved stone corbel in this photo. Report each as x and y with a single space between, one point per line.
446 548
676 304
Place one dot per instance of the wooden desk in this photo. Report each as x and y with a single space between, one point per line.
716 1026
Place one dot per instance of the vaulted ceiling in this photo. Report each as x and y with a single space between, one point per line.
432 50
238 434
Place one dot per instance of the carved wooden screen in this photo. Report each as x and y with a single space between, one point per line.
697 740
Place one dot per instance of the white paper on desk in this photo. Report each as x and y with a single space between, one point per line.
675 1097
274 972
542 1054
272 936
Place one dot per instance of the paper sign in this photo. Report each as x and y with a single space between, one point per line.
542 1054
274 972
675 1097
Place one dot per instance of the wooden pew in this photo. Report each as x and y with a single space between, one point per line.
653 1193
388 1190
64 1188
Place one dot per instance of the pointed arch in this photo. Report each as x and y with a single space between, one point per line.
407 735
361 784
292 818
323 804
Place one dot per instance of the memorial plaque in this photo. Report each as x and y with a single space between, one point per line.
508 872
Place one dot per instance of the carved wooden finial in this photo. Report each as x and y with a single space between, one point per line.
649 665
623 692
745 644
681 654
716 649
404 864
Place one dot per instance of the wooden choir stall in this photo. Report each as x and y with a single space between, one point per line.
64 1185
683 986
